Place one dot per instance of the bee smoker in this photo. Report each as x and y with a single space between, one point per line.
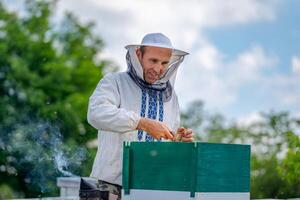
89 191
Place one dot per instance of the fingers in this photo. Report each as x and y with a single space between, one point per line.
159 130
188 131
184 131
180 130
187 135
156 129
167 133
177 137
163 131
169 136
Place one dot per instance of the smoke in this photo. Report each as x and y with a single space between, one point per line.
61 163
38 153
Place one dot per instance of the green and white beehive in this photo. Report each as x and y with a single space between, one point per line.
178 171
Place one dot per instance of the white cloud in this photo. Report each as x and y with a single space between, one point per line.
248 66
208 57
250 118
296 64
217 80
122 22
283 90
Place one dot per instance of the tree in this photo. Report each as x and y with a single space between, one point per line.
193 117
47 73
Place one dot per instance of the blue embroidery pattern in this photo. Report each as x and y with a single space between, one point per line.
161 106
153 96
143 111
152 110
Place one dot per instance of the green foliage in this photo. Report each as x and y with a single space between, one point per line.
193 117
290 167
47 73
6 192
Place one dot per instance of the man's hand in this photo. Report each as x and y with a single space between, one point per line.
155 128
184 135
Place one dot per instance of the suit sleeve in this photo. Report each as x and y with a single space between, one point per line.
176 123
104 112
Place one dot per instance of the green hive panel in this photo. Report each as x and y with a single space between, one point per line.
190 167
223 168
160 167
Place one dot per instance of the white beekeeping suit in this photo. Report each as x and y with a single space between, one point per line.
121 99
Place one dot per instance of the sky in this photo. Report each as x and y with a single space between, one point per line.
244 54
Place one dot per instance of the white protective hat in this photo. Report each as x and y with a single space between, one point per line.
158 40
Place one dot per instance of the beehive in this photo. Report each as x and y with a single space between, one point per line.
179 171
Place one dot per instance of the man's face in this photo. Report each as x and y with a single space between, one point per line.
154 61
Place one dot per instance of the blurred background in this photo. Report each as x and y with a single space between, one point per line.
240 83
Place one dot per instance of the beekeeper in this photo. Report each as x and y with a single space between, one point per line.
137 105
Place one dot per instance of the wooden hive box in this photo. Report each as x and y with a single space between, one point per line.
178 171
